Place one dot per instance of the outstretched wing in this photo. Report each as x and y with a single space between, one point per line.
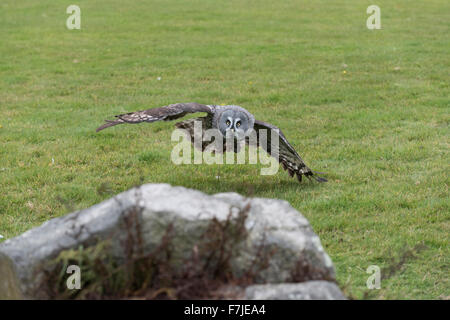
285 153
167 113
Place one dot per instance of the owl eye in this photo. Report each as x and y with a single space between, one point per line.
238 124
228 122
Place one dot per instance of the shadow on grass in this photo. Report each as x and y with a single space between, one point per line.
247 188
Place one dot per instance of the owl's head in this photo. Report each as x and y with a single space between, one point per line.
234 121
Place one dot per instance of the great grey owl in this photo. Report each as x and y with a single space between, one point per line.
229 120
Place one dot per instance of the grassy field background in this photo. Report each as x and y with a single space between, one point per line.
368 107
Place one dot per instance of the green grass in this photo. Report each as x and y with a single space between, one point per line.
380 130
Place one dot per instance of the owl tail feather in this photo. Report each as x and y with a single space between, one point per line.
109 123
317 178
320 179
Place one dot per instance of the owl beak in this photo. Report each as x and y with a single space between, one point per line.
232 129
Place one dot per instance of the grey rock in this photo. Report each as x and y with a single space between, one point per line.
310 290
151 208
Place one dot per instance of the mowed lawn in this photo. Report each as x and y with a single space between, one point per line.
368 107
